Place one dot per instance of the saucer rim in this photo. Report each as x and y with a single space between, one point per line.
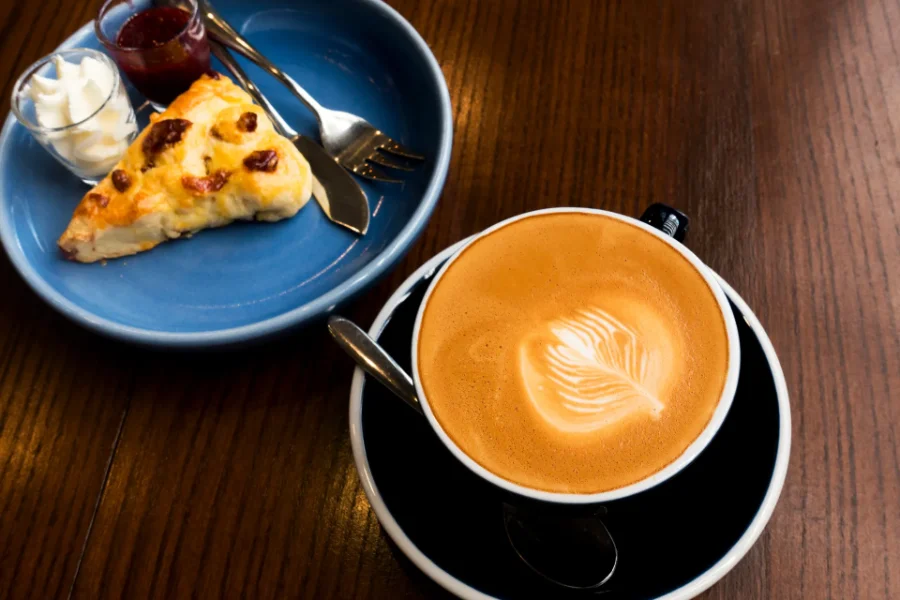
461 589
294 317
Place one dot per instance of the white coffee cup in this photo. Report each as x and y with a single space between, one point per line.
671 222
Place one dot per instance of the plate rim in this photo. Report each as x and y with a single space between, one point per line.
689 590
294 317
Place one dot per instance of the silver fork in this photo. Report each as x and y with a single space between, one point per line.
356 144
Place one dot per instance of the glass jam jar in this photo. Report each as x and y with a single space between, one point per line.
162 49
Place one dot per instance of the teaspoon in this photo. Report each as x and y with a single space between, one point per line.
572 552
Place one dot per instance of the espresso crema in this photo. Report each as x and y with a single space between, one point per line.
572 353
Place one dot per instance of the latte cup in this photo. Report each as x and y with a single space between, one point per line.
661 223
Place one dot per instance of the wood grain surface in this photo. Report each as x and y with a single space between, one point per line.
774 124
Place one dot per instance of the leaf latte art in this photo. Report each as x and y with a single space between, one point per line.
574 353
591 370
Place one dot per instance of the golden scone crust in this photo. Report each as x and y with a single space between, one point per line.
212 157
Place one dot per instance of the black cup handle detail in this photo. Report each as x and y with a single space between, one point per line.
673 223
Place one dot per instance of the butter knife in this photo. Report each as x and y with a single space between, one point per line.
338 194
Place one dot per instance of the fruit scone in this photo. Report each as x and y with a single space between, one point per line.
211 158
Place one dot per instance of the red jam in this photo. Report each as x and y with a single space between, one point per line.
162 50
153 28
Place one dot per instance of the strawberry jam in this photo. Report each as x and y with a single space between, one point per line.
162 50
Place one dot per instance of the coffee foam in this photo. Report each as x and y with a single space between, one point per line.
590 370
572 353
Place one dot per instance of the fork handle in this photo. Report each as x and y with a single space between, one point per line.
219 29
235 69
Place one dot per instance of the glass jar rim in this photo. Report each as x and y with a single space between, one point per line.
26 76
112 44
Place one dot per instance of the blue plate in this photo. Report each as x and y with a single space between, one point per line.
245 281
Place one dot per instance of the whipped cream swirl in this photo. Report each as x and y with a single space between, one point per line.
90 132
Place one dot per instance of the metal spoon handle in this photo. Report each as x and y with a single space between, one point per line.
219 29
232 65
373 359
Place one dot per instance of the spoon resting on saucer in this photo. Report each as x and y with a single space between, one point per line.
574 552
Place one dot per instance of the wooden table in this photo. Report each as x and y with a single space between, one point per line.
774 124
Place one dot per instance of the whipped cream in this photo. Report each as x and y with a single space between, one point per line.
94 139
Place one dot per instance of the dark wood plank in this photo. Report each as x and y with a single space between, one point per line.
62 395
827 165
234 477
773 124
61 409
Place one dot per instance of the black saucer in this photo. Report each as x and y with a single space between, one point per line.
677 538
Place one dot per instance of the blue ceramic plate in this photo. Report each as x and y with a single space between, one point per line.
245 281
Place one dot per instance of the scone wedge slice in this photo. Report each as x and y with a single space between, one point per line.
211 158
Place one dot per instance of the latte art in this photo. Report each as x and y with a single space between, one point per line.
572 352
591 371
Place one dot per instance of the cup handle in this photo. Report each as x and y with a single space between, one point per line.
671 222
